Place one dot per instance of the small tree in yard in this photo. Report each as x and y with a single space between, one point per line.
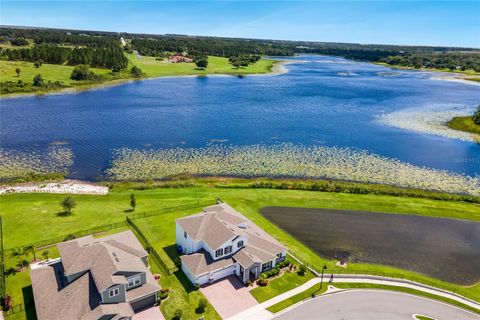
45 254
202 305
68 204
201 62
38 63
136 72
133 202
31 249
17 70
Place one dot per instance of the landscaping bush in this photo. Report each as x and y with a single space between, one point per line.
164 293
262 282
283 264
303 270
202 305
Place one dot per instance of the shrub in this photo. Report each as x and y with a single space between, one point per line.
81 72
69 237
262 282
476 116
164 293
178 314
303 269
202 305
283 264
38 81
136 72
6 302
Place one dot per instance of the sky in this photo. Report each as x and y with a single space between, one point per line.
446 23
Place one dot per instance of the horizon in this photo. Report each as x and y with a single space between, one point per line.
225 37
429 23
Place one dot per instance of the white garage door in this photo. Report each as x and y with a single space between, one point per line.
203 279
223 273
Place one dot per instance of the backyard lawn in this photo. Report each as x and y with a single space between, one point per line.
29 218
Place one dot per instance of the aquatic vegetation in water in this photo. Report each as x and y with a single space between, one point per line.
284 160
431 120
14 164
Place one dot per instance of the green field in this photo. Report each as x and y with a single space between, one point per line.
33 217
150 67
464 124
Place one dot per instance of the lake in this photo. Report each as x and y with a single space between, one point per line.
321 101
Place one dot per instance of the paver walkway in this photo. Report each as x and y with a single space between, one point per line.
259 312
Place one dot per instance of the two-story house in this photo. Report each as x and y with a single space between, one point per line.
94 278
220 242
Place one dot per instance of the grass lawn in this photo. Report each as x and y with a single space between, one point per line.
33 217
288 281
314 290
464 124
216 65
405 290
150 66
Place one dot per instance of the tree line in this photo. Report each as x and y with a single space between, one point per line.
109 57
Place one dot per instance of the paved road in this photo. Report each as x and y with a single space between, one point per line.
373 304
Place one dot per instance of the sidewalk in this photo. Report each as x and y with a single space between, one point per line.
259 312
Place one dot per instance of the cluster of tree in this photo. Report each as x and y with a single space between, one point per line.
201 61
109 57
81 72
60 37
222 47
476 116
38 83
438 60
243 60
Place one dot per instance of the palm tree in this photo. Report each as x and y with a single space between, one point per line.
31 248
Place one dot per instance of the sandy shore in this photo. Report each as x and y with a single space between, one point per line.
64 186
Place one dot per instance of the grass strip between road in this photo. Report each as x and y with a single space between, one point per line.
315 290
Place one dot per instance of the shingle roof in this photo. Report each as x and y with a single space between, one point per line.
104 257
79 300
201 262
219 223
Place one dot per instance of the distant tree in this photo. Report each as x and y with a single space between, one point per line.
201 62
237 63
82 72
17 70
38 63
38 81
68 204
476 116
136 72
133 202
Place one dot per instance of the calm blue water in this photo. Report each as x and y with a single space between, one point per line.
312 104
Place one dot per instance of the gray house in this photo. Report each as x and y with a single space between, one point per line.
94 279
220 241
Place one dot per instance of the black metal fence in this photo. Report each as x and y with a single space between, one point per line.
183 207
150 249
2 261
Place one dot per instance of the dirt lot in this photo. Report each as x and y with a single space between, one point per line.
446 249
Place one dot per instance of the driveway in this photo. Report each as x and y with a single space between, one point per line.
152 313
374 304
228 296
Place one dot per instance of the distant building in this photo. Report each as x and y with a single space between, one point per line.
220 242
179 58
94 279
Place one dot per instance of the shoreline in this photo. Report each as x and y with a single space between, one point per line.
65 186
278 68
452 76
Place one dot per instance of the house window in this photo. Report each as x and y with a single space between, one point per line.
218 253
240 244
185 234
228 249
266 266
133 281
114 292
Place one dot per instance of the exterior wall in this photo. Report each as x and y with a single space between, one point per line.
202 279
230 242
143 280
122 297
188 245
75 276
